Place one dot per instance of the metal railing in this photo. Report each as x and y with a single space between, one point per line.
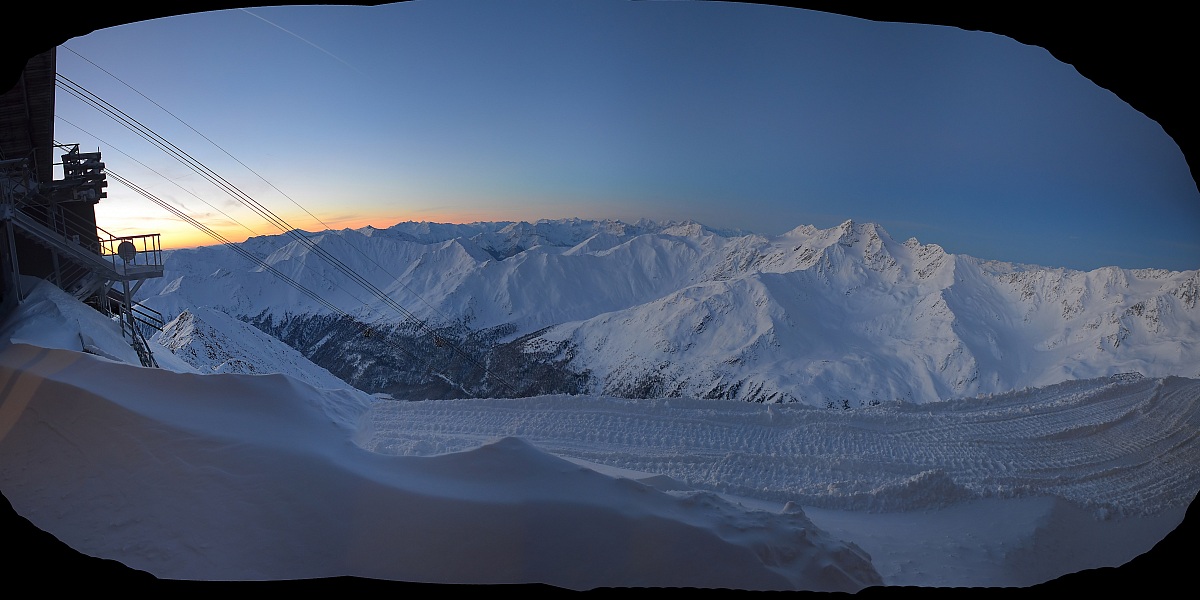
142 253
146 319
131 253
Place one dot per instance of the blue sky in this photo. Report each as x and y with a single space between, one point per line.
742 116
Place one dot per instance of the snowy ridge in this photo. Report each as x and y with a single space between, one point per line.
679 309
213 342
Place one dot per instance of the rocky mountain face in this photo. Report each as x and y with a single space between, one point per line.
844 316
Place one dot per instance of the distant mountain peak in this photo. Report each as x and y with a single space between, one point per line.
801 231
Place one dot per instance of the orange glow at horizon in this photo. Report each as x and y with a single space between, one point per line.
176 234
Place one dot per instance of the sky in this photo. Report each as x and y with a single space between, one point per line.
738 116
250 477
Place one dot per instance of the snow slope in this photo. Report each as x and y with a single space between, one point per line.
258 477
679 309
232 476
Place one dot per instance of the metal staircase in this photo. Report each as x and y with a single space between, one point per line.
88 262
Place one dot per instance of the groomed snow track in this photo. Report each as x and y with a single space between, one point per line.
1121 448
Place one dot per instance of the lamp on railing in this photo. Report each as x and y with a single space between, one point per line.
127 251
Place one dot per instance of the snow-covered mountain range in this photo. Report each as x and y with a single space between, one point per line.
844 316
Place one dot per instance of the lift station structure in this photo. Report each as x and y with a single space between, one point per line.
48 227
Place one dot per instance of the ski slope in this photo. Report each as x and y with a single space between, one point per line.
1086 442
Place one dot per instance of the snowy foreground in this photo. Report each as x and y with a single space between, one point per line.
227 476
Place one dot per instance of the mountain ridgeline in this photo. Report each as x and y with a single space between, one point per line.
839 317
